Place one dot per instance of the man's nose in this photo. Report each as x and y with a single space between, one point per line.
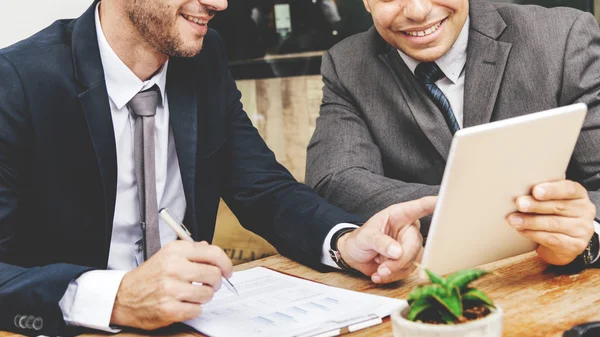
216 5
417 10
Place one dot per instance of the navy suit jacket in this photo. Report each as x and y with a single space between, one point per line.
58 167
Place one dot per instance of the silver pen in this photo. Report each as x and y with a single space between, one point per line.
184 234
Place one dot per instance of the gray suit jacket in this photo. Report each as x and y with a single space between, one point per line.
380 140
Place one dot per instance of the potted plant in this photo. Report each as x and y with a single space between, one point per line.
448 308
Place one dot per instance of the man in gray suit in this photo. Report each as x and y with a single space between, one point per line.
394 95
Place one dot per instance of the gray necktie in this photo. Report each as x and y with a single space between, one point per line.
143 107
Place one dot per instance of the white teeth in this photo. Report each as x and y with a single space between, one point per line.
193 19
426 31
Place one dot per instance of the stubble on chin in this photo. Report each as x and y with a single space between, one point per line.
160 31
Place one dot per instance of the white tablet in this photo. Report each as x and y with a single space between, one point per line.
489 166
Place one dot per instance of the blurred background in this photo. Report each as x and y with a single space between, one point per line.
274 49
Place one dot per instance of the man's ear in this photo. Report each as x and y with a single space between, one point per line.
367 5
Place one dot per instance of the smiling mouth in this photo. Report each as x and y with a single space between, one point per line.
427 31
201 22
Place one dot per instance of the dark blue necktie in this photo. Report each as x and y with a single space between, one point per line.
428 73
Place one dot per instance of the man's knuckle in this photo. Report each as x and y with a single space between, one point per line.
206 294
207 273
214 273
592 209
554 240
186 246
559 208
220 252
171 267
165 286
212 255
571 187
553 224
172 247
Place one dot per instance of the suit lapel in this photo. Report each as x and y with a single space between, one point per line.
486 62
183 111
94 102
427 115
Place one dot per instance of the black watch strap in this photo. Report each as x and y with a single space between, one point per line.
335 237
591 252
334 252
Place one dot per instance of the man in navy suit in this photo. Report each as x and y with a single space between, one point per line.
72 241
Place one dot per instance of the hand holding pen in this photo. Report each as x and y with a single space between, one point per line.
184 234
171 286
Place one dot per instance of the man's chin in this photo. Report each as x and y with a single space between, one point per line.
185 51
426 55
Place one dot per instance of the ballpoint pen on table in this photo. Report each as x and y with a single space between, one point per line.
348 326
184 234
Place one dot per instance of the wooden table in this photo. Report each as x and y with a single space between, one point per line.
538 300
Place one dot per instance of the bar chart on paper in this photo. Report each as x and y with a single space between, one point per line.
274 304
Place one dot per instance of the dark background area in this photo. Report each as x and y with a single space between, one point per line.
248 26
249 31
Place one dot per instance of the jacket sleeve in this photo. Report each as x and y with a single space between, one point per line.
344 163
265 197
581 83
28 296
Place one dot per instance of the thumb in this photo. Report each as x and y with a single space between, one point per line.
384 245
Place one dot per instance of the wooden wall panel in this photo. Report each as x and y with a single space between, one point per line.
284 112
248 90
295 125
314 96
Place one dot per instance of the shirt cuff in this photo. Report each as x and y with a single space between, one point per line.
325 257
597 230
89 299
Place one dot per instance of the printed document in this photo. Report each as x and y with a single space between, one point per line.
275 304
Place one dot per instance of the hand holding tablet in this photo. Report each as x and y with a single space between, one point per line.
491 167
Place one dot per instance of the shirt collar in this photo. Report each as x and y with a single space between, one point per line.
121 83
453 62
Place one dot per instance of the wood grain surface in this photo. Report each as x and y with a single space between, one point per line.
538 300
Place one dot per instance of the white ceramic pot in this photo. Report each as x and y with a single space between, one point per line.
489 326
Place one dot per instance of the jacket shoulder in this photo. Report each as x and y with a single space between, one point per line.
57 34
535 12
539 30
357 45
537 19
358 51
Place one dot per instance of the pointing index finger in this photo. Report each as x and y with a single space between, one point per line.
410 211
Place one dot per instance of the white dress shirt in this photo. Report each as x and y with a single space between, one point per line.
453 85
89 299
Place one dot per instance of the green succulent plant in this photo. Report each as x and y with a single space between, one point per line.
448 296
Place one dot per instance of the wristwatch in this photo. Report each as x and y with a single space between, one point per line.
335 254
590 254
